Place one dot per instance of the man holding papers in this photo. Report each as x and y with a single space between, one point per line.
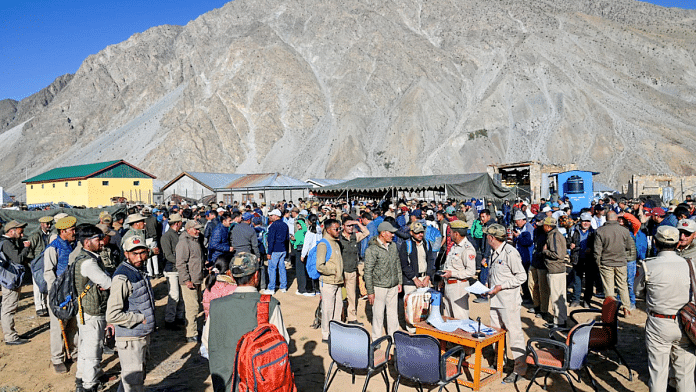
506 276
460 265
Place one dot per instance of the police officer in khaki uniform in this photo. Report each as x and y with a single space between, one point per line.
667 286
460 265
506 276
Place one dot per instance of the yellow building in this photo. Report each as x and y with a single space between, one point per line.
91 185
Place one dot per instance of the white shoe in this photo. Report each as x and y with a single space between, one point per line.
283 290
309 294
267 292
298 293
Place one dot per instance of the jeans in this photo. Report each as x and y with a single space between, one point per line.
575 281
277 263
630 278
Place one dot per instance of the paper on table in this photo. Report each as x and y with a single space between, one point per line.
451 325
478 288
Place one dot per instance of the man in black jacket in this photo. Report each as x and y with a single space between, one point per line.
417 262
15 251
581 244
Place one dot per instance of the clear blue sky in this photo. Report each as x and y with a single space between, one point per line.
43 39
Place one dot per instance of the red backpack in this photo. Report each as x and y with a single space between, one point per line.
262 363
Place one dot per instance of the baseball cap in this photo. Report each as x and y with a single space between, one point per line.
247 216
275 212
417 227
244 264
519 215
667 235
386 226
550 221
173 218
193 224
134 242
450 210
585 216
657 211
496 230
546 209
687 225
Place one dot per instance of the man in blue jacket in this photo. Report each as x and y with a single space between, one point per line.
278 236
523 236
219 243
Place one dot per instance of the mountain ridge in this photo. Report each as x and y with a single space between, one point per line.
351 88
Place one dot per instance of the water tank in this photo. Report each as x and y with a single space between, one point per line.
575 185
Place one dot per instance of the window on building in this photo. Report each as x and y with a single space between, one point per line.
136 183
79 183
227 199
66 184
260 195
32 187
105 183
42 186
54 184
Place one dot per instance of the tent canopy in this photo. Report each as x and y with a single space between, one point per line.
456 185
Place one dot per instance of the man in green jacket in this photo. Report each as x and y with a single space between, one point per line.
383 279
38 243
554 256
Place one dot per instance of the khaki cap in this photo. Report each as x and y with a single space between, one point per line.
496 230
13 224
46 219
550 221
134 242
667 235
459 224
193 224
173 218
417 227
106 229
132 218
59 216
66 223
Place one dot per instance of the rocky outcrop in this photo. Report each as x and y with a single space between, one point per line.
342 89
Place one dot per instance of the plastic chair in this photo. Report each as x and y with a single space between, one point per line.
350 347
560 357
605 334
418 359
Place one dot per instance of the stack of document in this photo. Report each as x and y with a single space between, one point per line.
471 328
478 288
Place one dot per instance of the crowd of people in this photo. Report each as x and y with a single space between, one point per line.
543 258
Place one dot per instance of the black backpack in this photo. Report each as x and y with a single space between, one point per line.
62 297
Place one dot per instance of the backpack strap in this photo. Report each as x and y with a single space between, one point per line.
693 280
262 310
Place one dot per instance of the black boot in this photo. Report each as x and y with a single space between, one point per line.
78 385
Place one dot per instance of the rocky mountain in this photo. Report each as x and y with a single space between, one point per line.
359 87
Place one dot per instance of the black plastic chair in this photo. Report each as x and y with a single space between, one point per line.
553 356
418 359
350 347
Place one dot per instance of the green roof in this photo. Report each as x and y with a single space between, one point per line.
81 172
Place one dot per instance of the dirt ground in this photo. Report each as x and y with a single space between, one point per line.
177 366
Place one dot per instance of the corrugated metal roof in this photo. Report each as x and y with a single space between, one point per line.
215 180
266 181
79 171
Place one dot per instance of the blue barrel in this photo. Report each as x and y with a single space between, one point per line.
575 185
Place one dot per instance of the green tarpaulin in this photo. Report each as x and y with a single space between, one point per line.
31 218
458 186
